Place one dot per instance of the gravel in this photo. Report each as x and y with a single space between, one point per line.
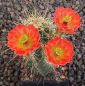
11 10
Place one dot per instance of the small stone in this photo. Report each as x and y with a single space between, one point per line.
77 2
51 1
79 73
84 10
12 84
73 6
18 8
1 83
76 8
79 56
6 83
71 72
41 6
83 66
83 85
64 68
2 78
9 78
57 2
81 13
16 73
49 15
60 1
71 79
68 5
30 76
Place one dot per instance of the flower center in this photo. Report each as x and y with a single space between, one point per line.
66 19
58 51
25 41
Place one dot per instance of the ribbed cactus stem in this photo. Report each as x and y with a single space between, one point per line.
43 67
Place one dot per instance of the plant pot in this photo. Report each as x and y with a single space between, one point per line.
45 83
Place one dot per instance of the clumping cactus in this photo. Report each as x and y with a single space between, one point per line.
46 27
41 40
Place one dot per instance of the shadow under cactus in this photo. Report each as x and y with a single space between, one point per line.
46 83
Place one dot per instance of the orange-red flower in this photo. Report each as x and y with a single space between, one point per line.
67 20
59 51
23 39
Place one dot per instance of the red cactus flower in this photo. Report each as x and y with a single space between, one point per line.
59 51
67 20
23 39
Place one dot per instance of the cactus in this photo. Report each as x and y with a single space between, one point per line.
30 61
43 67
40 66
38 61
